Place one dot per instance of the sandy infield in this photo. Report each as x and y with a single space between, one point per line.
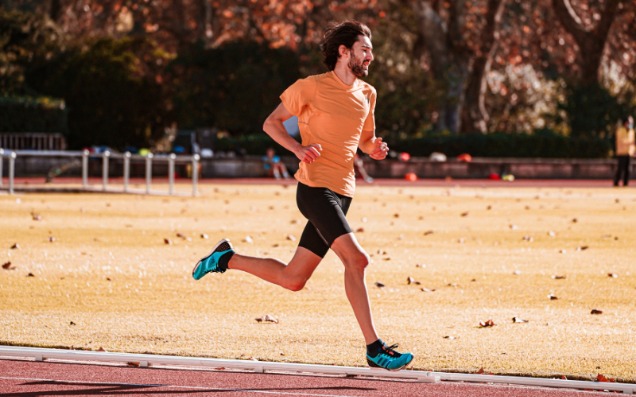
113 272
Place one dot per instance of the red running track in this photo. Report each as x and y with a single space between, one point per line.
29 378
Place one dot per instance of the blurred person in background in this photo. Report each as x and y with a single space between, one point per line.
625 149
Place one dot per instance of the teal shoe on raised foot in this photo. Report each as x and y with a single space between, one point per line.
210 263
390 359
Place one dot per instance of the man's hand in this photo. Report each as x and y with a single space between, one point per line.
380 151
309 154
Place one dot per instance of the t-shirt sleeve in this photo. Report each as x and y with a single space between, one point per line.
369 123
297 95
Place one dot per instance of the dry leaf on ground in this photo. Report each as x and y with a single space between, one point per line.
267 319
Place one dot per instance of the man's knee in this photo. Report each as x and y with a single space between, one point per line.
358 261
295 284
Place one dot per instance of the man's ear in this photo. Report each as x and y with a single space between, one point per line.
343 50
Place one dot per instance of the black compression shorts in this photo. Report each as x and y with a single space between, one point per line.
325 210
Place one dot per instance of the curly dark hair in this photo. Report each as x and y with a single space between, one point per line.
345 33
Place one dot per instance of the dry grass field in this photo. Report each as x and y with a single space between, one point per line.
112 272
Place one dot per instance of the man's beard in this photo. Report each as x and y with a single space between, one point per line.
357 69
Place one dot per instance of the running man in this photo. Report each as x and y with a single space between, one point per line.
336 117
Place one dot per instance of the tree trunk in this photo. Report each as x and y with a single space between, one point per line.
475 116
55 10
591 42
448 61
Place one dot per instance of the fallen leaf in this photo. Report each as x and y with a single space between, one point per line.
267 319
7 266
486 324
603 378
184 237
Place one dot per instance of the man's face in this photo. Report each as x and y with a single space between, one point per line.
361 55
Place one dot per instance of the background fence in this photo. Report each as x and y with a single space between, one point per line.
115 169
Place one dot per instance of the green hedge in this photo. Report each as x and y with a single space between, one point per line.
23 114
543 144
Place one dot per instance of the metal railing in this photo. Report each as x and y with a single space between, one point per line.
105 157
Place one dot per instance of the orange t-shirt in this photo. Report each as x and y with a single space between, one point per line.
334 115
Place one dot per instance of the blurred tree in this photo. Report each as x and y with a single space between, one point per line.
232 87
589 30
25 39
456 65
113 96
457 40
591 109
540 67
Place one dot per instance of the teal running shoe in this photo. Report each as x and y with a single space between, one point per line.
210 263
390 359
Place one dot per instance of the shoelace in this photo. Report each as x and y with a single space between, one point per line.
390 350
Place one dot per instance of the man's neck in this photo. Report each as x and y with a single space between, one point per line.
344 74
